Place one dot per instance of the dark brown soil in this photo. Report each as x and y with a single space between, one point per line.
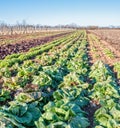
24 46
90 109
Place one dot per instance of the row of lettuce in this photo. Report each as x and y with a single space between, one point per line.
110 55
107 94
105 90
17 76
50 77
57 91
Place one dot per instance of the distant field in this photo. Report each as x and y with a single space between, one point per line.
71 82
9 39
110 35
22 43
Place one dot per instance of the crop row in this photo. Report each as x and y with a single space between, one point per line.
53 86
48 76
104 53
106 94
56 72
19 75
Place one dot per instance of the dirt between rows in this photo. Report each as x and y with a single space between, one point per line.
101 46
112 37
24 46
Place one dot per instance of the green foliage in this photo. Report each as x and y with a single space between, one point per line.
109 53
108 118
107 93
100 72
20 114
64 111
117 69
50 87
42 80
4 95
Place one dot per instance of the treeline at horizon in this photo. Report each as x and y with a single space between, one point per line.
24 27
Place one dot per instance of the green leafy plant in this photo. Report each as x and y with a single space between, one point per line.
4 95
109 53
42 80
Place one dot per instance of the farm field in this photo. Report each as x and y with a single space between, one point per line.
22 43
72 81
104 45
112 36
14 38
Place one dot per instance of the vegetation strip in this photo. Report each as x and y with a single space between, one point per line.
55 86
26 45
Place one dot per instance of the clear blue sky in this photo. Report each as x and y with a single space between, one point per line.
53 12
